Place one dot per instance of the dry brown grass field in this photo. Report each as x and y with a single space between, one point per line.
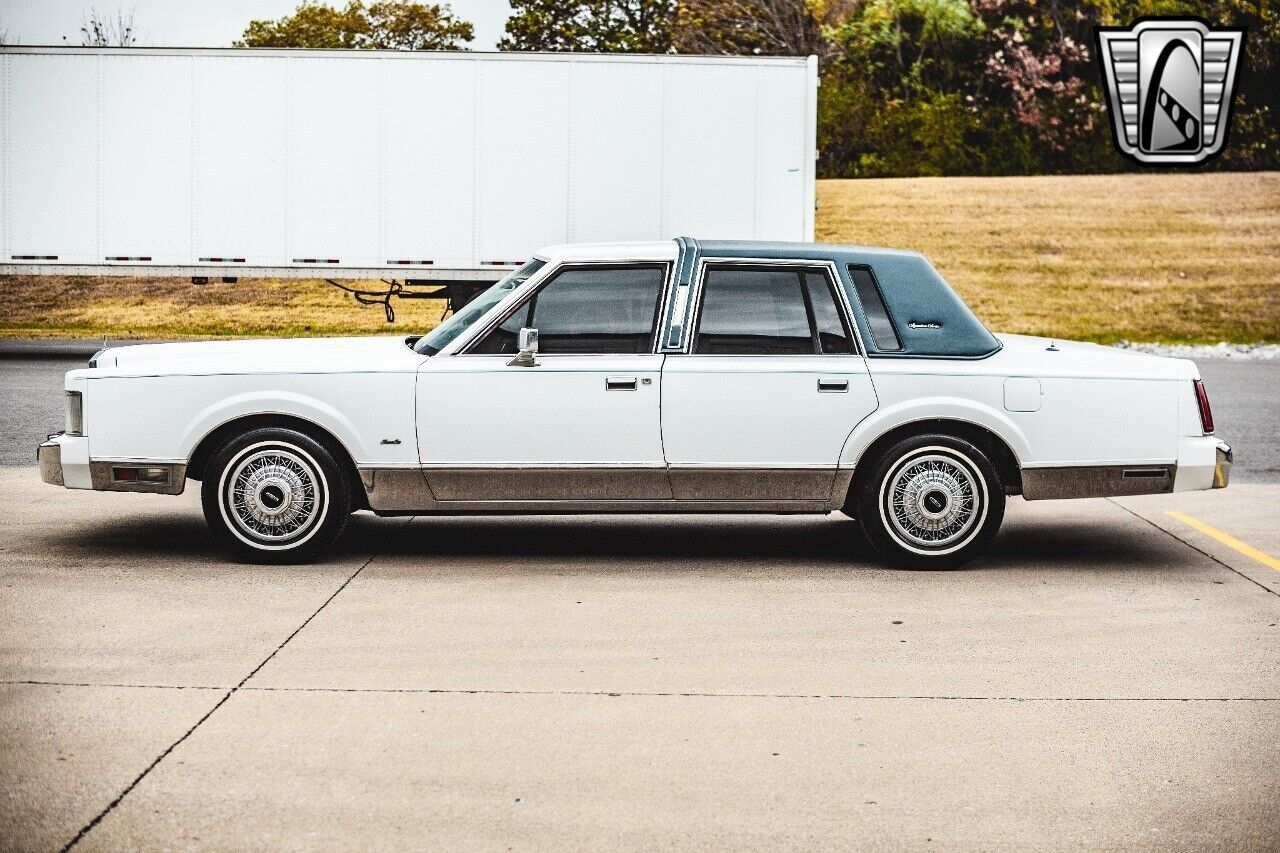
1174 257
1182 257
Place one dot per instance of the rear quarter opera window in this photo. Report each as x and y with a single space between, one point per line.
878 321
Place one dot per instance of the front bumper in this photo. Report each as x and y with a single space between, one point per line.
49 457
64 461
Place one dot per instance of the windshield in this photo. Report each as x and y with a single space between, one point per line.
442 335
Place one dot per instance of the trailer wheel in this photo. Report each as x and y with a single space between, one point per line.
275 495
930 502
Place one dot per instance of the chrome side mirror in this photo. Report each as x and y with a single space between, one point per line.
527 343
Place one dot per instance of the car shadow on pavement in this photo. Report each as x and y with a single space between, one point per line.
827 541
833 540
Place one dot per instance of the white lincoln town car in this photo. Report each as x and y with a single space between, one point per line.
679 376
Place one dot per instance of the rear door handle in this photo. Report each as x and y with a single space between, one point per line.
830 385
620 383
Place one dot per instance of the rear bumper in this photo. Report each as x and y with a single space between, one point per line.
1222 470
1204 462
64 461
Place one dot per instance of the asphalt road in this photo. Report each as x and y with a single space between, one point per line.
1109 678
1245 396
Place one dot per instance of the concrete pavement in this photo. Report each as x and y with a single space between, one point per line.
1108 678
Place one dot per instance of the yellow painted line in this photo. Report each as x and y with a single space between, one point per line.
1227 539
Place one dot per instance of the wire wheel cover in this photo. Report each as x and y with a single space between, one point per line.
933 500
273 494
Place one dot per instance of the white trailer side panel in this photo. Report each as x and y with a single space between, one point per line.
429 171
51 198
523 158
710 152
615 105
334 132
240 152
145 203
362 163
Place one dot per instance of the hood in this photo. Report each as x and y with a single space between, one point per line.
271 355
1056 357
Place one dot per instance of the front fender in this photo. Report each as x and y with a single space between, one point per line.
932 408
298 405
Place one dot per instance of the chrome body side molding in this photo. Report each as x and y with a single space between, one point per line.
751 484
550 483
591 489
1096 481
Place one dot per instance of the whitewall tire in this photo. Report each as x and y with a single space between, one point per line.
276 495
930 501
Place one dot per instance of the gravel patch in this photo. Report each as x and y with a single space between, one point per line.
1249 352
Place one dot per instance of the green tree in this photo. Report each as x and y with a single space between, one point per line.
600 26
390 25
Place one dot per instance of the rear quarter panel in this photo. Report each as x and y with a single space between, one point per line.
1091 412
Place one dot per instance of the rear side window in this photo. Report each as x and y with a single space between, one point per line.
769 311
587 311
833 335
882 331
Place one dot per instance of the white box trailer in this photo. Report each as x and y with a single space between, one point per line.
367 164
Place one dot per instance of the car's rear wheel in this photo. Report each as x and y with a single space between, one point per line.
275 495
930 502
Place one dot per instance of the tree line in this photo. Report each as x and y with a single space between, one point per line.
908 87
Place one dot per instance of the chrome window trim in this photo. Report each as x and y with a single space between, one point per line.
543 278
455 346
833 280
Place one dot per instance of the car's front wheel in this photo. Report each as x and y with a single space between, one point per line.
930 502
275 495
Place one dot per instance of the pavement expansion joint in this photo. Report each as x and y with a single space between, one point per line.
655 694
1259 584
98 818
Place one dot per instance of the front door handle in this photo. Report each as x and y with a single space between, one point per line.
832 385
620 383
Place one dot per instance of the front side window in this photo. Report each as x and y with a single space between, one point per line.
749 310
587 310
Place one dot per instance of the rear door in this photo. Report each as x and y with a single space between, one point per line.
760 403
582 424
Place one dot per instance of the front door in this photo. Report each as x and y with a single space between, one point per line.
771 385
582 424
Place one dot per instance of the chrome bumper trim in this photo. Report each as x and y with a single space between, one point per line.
100 474
49 457
1222 468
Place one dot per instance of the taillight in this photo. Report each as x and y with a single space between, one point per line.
1202 400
